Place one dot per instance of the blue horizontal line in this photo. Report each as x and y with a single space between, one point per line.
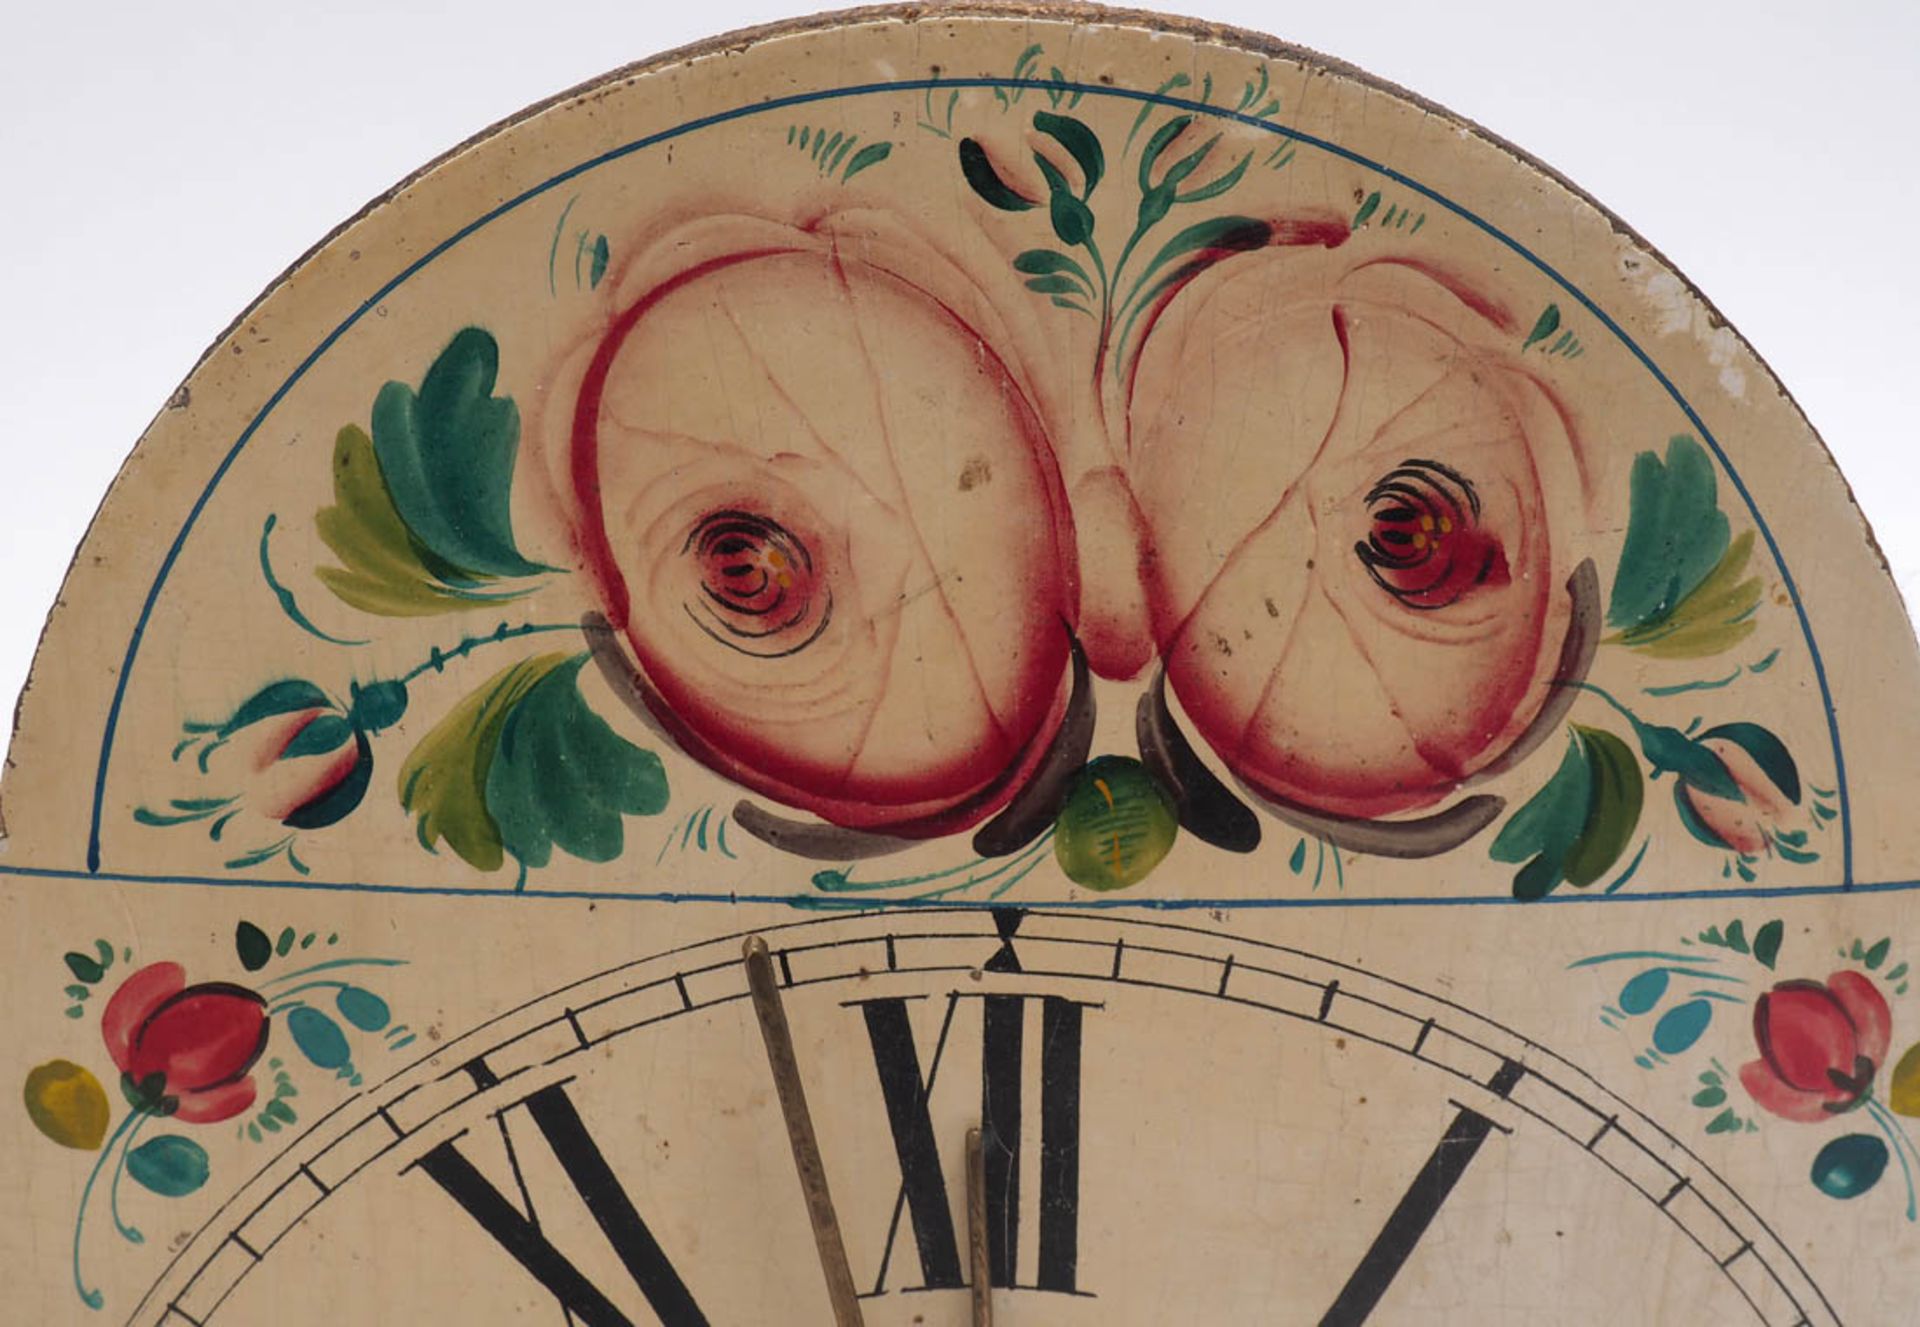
870 903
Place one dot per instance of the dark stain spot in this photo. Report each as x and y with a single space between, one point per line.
1273 610
974 473
1220 643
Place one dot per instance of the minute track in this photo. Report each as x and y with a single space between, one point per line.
529 1048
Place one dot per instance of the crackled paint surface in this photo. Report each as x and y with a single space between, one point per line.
1075 514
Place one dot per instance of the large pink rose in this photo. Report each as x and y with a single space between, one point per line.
813 496
1353 491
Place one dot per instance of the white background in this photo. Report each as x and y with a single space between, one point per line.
160 163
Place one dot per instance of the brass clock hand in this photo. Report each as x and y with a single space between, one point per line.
979 1260
767 1006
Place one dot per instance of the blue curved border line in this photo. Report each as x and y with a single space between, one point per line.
922 85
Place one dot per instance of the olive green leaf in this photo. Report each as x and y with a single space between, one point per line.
1576 827
383 570
443 782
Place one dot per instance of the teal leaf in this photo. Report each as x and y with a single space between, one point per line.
447 455
597 269
83 966
1080 142
169 1165
1767 751
1850 1165
1576 827
335 802
1645 990
562 777
327 732
985 181
1681 1026
1669 749
362 1008
274 699
319 1038
1766 942
1676 534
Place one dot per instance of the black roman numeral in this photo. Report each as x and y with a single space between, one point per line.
923 1185
520 1234
1417 1208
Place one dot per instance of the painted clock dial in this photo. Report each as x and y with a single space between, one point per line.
1254 661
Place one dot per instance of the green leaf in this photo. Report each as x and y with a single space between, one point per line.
1079 141
1716 615
276 698
1767 751
1672 750
252 946
381 570
597 269
1576 827
1222 235
1150 154
870 155
84 967
1187 165
1618 795
1072 219
444 779
327 732
1676 535
447 454
1219 186
985 181
1046 262
1543 327
1766 942
1055 285
169 1165
562 777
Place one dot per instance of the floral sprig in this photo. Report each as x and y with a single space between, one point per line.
189 1055
1821 1045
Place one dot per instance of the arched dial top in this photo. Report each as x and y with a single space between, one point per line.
1208 610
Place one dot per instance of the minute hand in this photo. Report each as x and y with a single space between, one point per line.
772 1013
